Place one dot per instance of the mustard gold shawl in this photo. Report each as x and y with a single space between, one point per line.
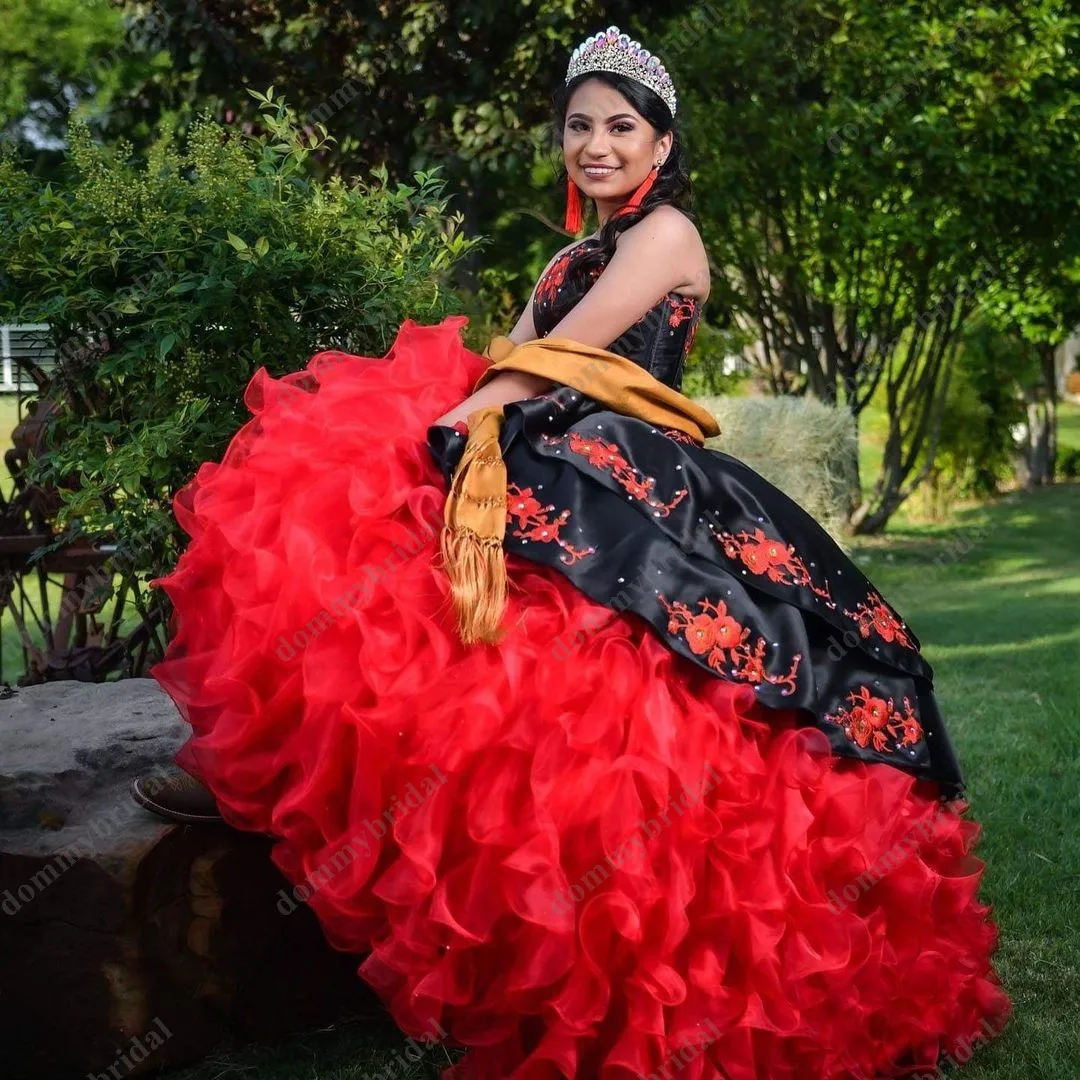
474 516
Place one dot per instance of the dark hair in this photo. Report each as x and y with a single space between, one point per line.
672 185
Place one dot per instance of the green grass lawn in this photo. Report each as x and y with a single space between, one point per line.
9 417
994 596
1068 427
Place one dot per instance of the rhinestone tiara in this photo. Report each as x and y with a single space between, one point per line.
610 50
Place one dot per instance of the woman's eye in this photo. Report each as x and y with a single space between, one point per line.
578 125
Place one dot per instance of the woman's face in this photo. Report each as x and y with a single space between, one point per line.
603 129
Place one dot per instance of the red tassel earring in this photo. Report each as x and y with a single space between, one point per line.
642 191
573 207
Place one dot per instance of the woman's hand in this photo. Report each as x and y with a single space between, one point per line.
504 387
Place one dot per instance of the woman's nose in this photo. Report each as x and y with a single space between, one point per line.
598 145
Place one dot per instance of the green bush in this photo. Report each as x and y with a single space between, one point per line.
1069 464
983 405
167 282
804 447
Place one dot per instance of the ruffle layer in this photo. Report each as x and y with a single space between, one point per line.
591 865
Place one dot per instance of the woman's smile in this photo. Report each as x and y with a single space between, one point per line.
599 172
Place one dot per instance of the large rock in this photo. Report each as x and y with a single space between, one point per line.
126 942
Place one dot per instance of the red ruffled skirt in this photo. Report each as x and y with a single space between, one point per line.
576 853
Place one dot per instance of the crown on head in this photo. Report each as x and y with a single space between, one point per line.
610 50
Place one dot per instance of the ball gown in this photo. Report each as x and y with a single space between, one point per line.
697 813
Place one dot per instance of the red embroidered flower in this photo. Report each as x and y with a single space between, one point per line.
683 308
859 727
600 455
873 720
675 435
778 561
534 524
551 282
874 615
608 457
913 731
521 504
718 636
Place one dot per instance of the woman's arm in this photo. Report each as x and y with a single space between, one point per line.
505 387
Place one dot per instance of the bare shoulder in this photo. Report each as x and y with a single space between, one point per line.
668 230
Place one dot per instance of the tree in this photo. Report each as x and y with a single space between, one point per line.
865 172
62 60
1038 305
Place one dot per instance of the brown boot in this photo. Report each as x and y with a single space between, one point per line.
180 798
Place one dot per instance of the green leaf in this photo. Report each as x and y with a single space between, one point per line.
262 246
165 344
236 242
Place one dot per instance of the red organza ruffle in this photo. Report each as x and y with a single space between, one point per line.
576 853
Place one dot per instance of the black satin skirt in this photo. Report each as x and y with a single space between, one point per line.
728 571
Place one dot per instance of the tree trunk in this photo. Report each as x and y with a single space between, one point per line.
1038 454
854 493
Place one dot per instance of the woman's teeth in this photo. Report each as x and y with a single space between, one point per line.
594 171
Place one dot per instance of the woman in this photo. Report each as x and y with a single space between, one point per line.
595 787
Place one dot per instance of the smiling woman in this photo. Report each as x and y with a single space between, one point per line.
708 695
621 150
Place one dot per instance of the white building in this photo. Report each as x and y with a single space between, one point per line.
25 342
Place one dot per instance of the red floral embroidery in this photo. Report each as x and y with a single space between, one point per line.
761 554
608 457
675 435
718 636
873 720
873 614
691 335
550 283
533 523
682 308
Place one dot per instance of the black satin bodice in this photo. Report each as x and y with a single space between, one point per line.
659 341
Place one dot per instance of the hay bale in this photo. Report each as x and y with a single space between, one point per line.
806 448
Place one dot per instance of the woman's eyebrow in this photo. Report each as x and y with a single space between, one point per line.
617 116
